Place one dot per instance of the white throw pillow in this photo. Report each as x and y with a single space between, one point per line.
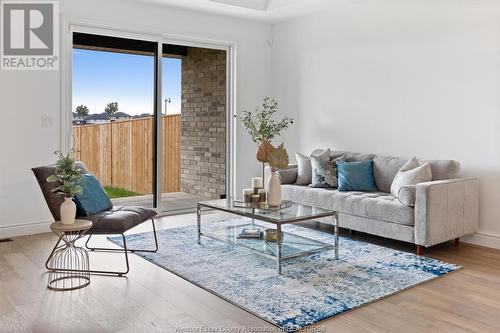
411 174
304 172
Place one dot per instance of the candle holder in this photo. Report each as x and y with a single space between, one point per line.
247 195
262 195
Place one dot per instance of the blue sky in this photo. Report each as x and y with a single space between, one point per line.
103 77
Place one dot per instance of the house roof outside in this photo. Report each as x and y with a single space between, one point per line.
120 115
97 116
103 116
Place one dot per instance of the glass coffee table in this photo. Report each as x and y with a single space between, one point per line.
287 246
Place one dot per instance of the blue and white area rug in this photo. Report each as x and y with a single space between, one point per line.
310 289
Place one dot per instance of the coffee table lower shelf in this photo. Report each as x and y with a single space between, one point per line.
287 247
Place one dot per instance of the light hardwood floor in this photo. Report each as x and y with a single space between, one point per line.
150 299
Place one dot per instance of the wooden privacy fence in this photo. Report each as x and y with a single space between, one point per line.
120 153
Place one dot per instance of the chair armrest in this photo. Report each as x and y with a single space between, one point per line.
446 209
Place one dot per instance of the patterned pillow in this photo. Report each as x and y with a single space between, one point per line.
324 170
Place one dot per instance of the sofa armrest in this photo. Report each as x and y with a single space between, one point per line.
446 209
288 175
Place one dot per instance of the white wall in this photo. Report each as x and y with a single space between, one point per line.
26 97
417 78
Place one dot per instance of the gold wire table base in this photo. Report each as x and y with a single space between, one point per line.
68 264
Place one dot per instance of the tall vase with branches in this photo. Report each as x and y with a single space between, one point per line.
261 125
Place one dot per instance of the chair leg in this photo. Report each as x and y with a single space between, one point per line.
126 255
155 238
130 250
420 250
125 250
87 242
457 242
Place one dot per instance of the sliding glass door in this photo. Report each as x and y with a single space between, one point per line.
113 114
162 148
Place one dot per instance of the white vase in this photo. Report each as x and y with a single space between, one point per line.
68 211
274 189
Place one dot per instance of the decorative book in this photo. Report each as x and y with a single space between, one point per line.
250 233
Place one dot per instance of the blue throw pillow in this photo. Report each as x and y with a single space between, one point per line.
93 199
356 176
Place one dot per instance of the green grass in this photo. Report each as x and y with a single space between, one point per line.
115 192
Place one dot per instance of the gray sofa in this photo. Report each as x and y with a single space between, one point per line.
444 209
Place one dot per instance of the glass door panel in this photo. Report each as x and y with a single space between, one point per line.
113 107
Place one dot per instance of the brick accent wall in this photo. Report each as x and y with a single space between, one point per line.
203 122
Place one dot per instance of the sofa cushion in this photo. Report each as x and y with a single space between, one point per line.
119 219
375 205
346 155
443 169
288 176
385 169
312 196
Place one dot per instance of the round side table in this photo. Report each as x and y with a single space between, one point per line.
68 264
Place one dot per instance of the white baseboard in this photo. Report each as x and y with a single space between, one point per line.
482 239
24 229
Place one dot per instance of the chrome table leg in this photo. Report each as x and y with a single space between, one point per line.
279 241
198 222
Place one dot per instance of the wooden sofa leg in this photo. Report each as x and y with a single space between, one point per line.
420 250
457 241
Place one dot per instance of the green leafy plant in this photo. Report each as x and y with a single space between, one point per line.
111 109
82 111
260 123
69 176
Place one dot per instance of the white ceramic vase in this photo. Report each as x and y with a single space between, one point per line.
274 189
68 211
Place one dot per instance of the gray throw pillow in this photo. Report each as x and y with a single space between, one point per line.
288 176
304 171
324 170
411 174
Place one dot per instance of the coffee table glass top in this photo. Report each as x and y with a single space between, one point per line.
292 245
296 212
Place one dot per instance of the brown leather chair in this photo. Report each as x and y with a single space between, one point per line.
115 221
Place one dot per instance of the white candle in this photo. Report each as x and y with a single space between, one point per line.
257 182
